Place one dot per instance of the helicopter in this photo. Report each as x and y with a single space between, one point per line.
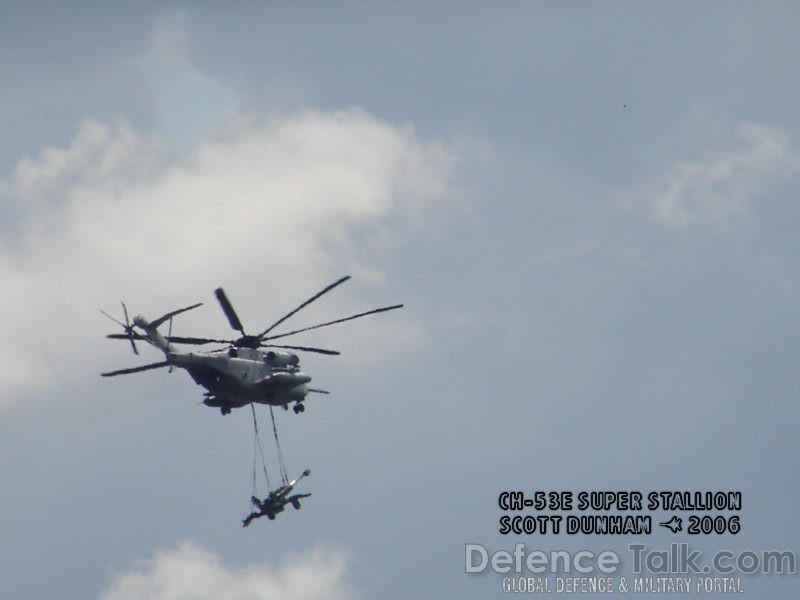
245 371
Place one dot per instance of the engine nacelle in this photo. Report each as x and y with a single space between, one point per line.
281 359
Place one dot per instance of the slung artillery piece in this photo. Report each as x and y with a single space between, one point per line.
276 501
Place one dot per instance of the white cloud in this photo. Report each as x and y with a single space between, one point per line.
268 208
190 572
718 189
189 104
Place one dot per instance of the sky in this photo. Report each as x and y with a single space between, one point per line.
587 209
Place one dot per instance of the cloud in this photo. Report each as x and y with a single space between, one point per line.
272 207
193 572
718 189
189 104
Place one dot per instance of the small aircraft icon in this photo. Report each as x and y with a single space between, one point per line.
243 372
276 501
675 524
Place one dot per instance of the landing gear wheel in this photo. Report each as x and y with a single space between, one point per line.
298 408
270 516
225 410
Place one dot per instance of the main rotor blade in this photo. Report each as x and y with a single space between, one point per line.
227 308
169 315
196 341
136 369
305 349
364 314
304 304
125 336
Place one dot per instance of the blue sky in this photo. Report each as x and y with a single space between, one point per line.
587 209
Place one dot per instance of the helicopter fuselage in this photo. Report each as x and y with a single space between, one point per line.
238 376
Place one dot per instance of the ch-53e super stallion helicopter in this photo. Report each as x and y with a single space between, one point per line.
242 373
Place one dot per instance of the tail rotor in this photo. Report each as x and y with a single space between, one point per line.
130 334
